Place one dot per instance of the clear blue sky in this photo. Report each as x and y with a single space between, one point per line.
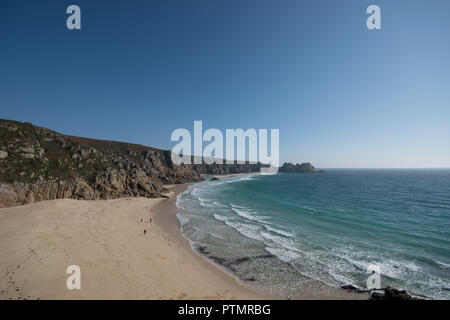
341 95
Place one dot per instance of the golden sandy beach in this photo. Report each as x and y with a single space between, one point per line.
106 240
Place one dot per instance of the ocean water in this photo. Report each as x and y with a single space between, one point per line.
293 233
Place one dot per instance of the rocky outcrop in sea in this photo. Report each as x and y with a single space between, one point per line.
288 167
387 293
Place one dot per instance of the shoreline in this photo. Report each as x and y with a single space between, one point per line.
117 259
165 215
106 239
166 212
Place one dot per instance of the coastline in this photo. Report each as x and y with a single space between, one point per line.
117 260
165 215
105 238
166 212
229 175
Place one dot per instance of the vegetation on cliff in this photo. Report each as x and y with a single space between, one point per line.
40 164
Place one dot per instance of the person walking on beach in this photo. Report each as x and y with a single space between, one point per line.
145 231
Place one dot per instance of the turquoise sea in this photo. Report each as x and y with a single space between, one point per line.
287 232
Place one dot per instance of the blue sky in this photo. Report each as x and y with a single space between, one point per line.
341 95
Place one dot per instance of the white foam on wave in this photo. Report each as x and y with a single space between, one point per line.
443 264
435 287
283 254
392 268
220 217
179 200
182 218
243 214
343 262
195 191
284 242
310 264
218 204
348 259
280 232
398 269
246 177
205 203
247 230
246 213
178 204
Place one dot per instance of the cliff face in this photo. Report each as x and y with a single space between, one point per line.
218 169
41 164
288 167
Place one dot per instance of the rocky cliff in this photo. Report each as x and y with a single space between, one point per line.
288 167
40 164
217 169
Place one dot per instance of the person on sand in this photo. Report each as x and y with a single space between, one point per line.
145 231
150 220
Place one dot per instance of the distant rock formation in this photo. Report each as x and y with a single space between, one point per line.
40 164
288 167
218 169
